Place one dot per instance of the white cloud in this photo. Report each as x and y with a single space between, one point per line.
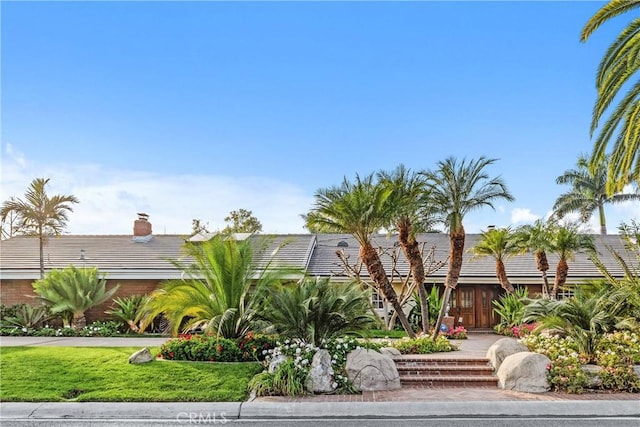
110 199
523 215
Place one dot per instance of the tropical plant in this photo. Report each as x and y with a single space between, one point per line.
410 214
316 309
498 243
536 238
129 310
457 189
566 241
360 208
584 318
434 302
618 67
38 214
219 289
73 290
26 316
511 307
588 192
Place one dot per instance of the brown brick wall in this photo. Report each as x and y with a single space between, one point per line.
21 291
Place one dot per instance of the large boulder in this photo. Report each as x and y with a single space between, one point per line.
525 371
503 348
369 370
320 378
141 356
390 351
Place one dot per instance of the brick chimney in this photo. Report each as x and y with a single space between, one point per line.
142 226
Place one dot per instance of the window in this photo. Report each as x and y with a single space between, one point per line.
377 301
564 293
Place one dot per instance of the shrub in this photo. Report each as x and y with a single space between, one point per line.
424 345
510 307
457 333
129 310
25 316
256 346
517 331
101 329
201 348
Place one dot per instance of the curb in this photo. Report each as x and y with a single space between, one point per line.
313 410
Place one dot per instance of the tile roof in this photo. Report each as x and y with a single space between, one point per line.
121 257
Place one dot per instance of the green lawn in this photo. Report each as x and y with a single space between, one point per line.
104 374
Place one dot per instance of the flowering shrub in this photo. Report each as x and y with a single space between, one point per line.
517 331
457 333
95 329
200 348
424 345
616 353
289 377
254 346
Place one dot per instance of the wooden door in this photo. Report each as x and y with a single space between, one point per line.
465 307
485 316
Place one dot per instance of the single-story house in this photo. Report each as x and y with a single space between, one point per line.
139 262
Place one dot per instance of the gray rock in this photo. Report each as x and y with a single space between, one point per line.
369 370
390 351
320 378
593 373
276 362
525 371
503 348
141 356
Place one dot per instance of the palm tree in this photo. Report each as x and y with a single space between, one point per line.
499 243
457 189
536 238
617 68
410 215
316 309
39 214
220 290
565 242
73 290
588 192
361 209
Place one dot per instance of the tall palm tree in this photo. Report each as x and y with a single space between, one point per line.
73 290
457 189
588 192
536 238
360 208
499 243
39 214
220 290
409 216
617 68
566 241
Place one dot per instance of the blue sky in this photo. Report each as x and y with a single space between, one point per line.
192 109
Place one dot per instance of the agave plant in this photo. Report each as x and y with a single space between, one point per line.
73 290
316 309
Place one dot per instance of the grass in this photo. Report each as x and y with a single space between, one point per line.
104 374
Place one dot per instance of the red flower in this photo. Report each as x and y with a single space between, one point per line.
219 347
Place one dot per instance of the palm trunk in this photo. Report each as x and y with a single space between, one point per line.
501 274
543 266
41 242
79 321
562 270
456 240
603 221
411 251
371 260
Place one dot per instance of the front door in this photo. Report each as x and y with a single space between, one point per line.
472 305
485 316
463 307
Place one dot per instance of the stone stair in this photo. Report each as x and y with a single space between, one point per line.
429 371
